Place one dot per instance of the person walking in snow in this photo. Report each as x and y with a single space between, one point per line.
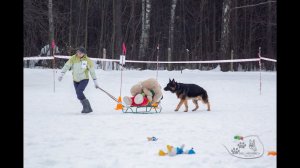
81 66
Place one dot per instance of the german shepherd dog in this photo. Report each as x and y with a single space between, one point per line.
188 91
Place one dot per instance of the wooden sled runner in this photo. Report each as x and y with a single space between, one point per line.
149 109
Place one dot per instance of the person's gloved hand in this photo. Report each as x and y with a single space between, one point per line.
60 76
96 83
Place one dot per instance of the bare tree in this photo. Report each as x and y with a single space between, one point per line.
269 32
51 28
86 24
225 31
117 31
103 18
214 40
78 27
193 29
144 38
70 27
171 30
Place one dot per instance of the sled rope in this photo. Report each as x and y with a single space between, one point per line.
111 96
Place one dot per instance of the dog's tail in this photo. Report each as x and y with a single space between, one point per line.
205 100
205 97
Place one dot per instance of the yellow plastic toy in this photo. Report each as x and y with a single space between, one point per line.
171 151
162 153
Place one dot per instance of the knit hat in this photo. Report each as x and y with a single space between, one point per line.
82 50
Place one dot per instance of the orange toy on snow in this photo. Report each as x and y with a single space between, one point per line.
272 153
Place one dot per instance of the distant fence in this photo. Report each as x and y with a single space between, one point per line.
116 62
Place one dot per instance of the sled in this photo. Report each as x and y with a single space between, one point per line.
149 109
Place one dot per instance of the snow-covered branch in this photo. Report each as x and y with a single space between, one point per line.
247 6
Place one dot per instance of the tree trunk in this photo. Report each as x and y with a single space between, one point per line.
269 33
133 31
117 31
225 33
51 28
200 41
245 37
113 34
184 29
141 48
171 28
169 59
129 24
214 43
144 38
70 28
102 28
78 27
86 24
235 36
118 28
250 37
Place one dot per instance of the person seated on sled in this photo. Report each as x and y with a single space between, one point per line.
144 93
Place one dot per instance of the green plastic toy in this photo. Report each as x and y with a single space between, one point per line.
238 137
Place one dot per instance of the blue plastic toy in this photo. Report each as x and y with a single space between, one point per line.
172 151
152 138
191 151
179 150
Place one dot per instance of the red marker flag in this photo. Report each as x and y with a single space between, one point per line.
124 49
53 44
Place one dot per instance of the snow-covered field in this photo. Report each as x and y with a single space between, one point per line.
57 135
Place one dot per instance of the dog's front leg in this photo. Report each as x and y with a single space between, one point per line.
179 104
196 104
186 105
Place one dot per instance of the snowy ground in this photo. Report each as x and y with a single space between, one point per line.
57 135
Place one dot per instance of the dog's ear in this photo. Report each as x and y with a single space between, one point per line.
173 81
169 80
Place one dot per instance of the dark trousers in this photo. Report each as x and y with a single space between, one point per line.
79 87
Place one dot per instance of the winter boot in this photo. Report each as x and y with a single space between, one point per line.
86 106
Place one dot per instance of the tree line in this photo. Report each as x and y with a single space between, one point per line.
174 30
